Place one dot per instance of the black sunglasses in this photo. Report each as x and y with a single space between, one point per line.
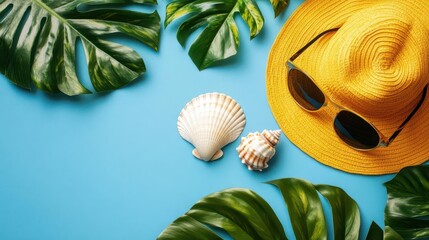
352 128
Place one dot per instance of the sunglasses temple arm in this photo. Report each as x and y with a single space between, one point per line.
395 134
300 51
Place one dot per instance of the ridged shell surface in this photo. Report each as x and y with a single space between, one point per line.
256 149
209 122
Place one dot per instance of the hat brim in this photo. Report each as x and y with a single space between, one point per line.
313 132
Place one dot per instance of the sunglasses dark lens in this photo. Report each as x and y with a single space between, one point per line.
304 91
355 131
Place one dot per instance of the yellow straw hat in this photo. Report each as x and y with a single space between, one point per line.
376 64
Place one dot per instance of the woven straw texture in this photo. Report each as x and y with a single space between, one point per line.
376 64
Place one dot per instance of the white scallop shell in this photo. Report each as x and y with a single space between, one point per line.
209 122
256 149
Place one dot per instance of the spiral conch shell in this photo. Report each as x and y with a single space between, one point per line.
209 122
256 149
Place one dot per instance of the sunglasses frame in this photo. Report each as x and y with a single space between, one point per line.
383 140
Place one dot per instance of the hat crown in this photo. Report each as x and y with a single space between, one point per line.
379 60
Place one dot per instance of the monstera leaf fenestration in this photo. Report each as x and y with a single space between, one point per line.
219 39
38 43
244 215
407 208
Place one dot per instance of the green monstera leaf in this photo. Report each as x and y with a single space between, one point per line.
244 215
219 40
38 39
407 208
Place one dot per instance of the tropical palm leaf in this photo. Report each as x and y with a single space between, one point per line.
245 215
38 39
407 208
345 212
219 39
375 232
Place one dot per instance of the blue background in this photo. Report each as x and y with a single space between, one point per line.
113 166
